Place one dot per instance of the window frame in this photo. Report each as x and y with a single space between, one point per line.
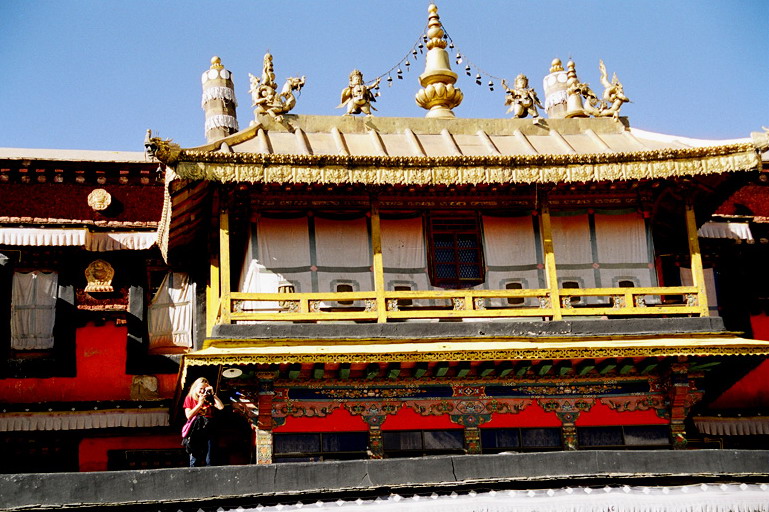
467 224
623 433
60 359
321 454
521 447
422 450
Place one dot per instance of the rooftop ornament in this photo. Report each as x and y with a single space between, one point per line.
610 104
218 101
357 96
264 92
522 99
438 94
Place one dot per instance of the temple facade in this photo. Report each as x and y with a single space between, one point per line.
387 287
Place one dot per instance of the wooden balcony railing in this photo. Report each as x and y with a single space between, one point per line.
460 304
225 306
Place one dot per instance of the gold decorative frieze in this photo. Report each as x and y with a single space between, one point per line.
498 169
355 355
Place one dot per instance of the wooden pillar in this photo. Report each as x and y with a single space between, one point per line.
682 395
473 440
569 437
264 422
224 261
698 276
378 265
263 446
550 272
375 444
213 296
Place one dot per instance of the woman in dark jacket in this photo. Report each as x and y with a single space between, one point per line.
198 407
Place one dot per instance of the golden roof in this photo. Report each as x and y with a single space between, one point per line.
415 151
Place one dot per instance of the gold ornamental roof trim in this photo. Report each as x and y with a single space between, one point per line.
239 352
410 151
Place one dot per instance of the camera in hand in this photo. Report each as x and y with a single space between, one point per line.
209 396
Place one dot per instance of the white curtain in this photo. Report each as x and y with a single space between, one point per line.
623 251
277 250
571 239
342 243
511 255
621 238
404 256
573 251
343 255
33 310
171 312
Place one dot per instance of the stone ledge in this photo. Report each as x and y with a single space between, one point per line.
428 330
228 485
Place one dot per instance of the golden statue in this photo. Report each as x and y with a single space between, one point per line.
264 95
608 106
522 99
358 96
613 94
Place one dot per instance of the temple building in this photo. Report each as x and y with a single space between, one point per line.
371 287
81 279
388 287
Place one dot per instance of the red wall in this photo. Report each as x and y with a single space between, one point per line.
100 374
752 391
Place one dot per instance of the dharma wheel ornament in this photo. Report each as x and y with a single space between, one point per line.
438 94
99 276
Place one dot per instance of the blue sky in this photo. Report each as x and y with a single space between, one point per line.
97 74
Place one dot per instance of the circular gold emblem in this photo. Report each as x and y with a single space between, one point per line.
99 199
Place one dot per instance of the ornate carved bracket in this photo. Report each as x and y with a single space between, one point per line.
637 403
567 410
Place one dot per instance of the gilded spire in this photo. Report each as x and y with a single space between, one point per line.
216 63
438 94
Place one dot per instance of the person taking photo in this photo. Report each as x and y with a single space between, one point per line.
198 432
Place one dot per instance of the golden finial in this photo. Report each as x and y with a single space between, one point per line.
434 29
438 94
216 63
556 66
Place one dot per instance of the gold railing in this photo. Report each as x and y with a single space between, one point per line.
459 304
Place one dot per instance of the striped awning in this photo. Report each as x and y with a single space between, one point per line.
78 420
734 230
739 426
78 237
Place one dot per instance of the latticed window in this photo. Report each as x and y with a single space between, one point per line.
456 250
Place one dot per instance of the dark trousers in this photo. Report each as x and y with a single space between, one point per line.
203 457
